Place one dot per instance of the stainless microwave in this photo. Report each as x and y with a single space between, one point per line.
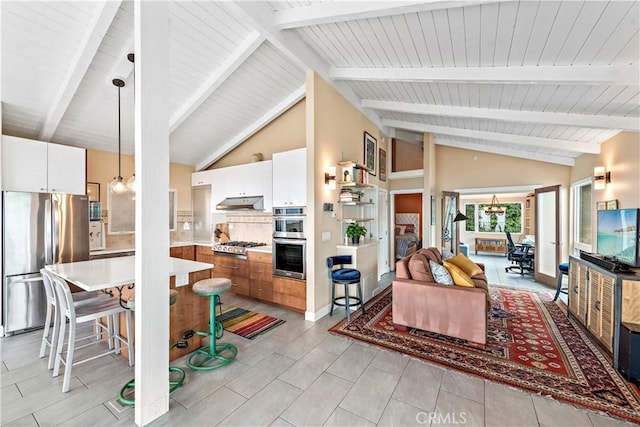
289 222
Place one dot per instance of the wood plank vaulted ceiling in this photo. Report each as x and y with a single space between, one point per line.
544 80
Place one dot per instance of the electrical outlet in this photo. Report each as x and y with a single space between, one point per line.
182 279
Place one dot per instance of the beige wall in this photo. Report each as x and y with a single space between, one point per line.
287 132
102 166
621 156
335 132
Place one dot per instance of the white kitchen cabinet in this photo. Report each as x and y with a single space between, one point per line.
290 178
37 166
66 169
251 179
202 178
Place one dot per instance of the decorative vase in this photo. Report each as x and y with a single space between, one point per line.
355 240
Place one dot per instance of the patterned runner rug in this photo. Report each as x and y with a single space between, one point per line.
245 323
531 345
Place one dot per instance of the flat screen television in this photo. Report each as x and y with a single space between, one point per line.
617 236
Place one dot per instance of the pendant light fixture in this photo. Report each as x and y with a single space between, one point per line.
131 182
495 207
117 185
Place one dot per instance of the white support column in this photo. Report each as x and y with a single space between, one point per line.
151 25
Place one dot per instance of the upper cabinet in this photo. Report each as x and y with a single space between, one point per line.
251 179
40 167
290 178
202 178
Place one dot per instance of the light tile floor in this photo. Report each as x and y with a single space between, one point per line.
297 374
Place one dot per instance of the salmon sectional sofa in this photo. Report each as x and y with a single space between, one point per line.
419 302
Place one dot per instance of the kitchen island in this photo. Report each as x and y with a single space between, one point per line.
116 274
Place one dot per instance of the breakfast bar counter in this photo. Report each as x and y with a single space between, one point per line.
115 274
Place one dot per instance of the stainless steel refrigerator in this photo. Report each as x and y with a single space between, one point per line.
37 229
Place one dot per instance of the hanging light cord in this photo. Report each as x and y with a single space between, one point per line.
119 138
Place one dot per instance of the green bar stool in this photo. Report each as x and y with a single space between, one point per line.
126 395
216 355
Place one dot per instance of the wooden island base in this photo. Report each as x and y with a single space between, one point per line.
189 312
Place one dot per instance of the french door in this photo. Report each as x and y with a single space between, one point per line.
548 244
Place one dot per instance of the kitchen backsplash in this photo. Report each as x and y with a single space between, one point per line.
250 227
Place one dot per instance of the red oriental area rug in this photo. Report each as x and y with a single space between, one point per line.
531 345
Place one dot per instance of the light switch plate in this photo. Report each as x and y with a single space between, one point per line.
182 279
326 236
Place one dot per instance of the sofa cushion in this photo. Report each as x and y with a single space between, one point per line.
419 268
432 253
402 268
440 273
460 278
465 264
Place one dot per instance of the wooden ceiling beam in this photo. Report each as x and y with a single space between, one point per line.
631 124
622 75
326 13
254 127
561 144
87 49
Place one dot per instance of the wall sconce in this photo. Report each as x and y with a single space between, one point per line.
330 177
600 178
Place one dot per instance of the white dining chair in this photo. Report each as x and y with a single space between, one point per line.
77 314
52 316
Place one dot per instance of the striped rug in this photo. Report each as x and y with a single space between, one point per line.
245 323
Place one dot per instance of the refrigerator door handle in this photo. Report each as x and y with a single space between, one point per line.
48 227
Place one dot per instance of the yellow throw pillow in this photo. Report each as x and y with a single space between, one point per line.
460 278
466 265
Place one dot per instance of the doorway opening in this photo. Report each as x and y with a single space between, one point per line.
408 219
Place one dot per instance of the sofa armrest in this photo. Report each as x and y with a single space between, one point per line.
481 265
450 310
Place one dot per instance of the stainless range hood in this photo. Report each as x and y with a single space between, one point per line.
250 203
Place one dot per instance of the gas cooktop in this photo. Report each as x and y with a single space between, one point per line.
235 247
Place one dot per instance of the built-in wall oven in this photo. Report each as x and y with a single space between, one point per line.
289 258
289 242
289 223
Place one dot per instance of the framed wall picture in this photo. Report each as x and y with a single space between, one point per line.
370 149
382 164
601 206
93 191
612 204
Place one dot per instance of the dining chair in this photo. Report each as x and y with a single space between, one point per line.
86 313
53 311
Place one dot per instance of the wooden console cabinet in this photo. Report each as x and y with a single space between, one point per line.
491 245
601 300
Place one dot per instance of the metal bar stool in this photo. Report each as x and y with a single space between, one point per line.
86 313
563 270
221 354
344 277
126 393
53 315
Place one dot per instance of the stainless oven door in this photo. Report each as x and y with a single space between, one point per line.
291 227
289 258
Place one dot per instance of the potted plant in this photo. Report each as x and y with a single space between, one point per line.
354 231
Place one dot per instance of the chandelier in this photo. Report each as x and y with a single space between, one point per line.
495 207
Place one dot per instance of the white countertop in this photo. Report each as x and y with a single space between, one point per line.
171 245
105 273
263 249
362 245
